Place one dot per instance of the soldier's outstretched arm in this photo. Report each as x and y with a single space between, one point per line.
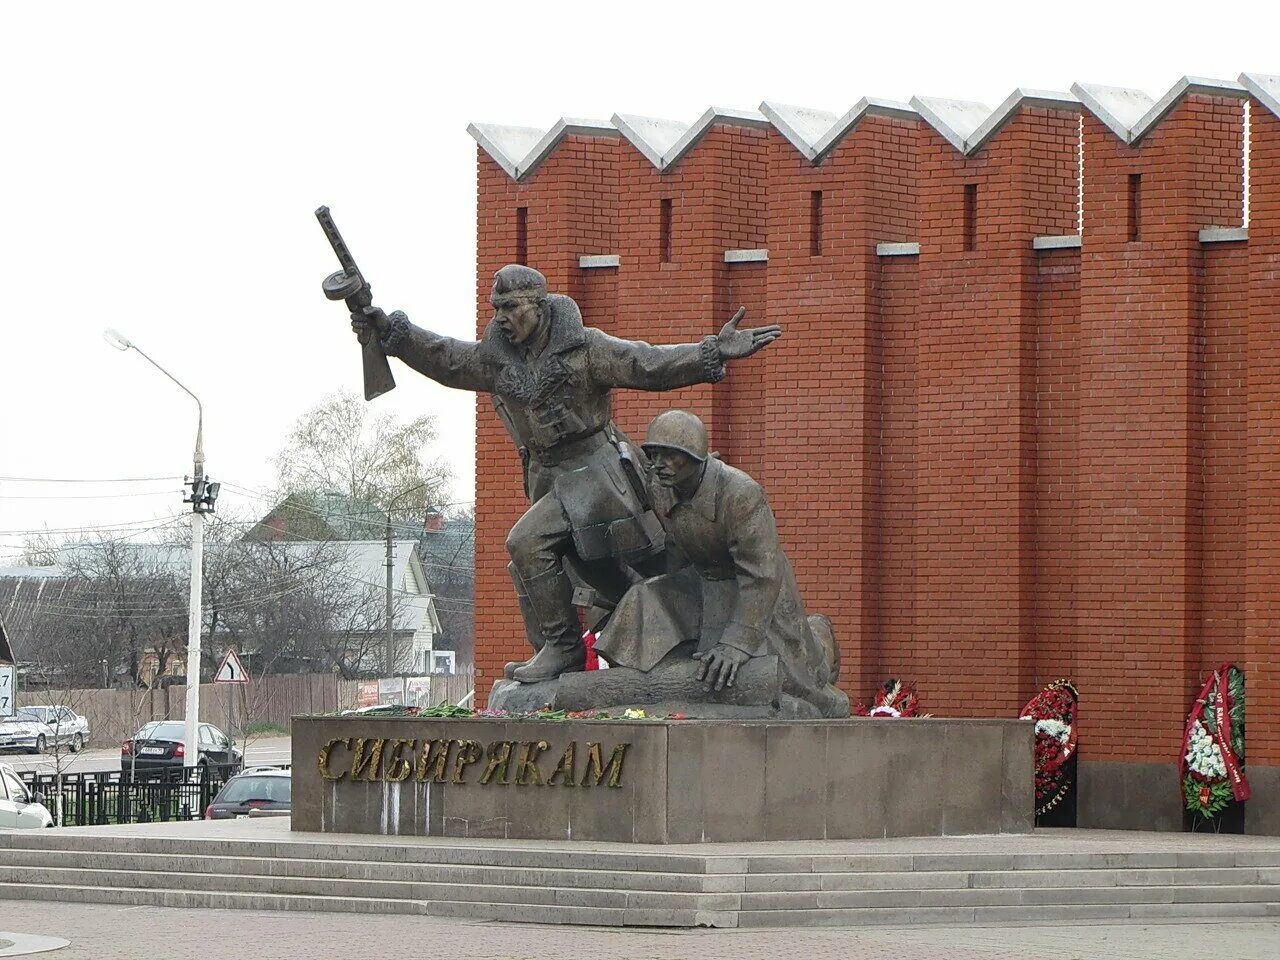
453 363
643 366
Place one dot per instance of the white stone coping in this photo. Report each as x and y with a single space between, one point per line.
897 249
1265 88
746 256
816 132
968 125
1131 114
664 142
596 261
519 150
1069 241
1224 234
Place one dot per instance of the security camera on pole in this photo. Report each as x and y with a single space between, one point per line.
204 494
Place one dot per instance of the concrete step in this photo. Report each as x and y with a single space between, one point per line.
619 897
373 871
525 855
131 896
748 885
465 875
1007 897
530 855
1049 915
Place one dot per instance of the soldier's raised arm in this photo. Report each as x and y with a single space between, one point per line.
453 363
643 366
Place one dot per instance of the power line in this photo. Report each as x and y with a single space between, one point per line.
87 479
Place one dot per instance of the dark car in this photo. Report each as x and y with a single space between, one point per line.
260 789
160 745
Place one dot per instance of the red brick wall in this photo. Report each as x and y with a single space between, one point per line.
992 467
1262 658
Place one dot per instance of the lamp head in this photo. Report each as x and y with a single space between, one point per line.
116 339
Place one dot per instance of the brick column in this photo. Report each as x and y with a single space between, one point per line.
1262 637
975 651
825 435
1140 443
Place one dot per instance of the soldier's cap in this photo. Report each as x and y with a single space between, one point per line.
515 283
678 430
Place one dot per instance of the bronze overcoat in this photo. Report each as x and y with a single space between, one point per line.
558 408
738 588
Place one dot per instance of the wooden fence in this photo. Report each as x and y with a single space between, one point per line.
115 715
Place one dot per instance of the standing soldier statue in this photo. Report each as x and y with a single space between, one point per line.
551 379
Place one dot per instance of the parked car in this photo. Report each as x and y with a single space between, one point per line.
20 809
19 733
60 726
161 745
259 788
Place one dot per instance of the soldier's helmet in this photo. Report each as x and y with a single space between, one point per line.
678 430
516 282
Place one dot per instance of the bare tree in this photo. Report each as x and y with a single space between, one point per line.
340 446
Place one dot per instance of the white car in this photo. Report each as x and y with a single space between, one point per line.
19 808
39 728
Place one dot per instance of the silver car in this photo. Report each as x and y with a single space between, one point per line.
38 728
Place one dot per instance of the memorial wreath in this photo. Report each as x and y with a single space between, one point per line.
1211 765
1054 711
894 699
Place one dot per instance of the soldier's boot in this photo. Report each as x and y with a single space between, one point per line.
531 628
551 599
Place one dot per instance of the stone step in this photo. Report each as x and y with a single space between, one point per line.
590 857
658 916
135 896
584 856
374 870
515 913
1007 896
620 897
1049 915
600 879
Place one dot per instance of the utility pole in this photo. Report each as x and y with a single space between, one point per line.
391 629
203 496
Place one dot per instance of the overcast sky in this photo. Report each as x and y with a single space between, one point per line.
161 163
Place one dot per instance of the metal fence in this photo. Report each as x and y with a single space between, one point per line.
114 796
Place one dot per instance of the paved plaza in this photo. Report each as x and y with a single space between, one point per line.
102 932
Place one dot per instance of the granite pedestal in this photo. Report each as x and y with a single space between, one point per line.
658 781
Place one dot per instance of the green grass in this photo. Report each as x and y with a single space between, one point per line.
265 728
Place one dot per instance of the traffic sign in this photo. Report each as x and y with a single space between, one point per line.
231 671
6 690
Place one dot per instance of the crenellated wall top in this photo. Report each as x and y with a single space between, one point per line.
967 125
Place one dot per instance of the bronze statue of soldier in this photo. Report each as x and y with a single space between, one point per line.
733 594
551 380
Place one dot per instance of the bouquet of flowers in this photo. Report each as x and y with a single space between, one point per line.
894 699
1054 711
1212 762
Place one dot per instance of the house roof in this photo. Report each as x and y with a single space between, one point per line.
25 590
6 651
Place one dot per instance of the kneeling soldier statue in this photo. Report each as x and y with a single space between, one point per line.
733 596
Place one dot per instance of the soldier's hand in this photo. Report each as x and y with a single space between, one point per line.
735 343
719 667
370 321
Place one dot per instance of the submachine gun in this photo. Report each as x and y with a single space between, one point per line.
349 284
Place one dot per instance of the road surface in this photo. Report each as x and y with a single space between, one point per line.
267 750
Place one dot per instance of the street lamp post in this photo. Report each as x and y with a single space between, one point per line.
202 499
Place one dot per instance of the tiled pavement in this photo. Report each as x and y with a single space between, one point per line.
103 932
